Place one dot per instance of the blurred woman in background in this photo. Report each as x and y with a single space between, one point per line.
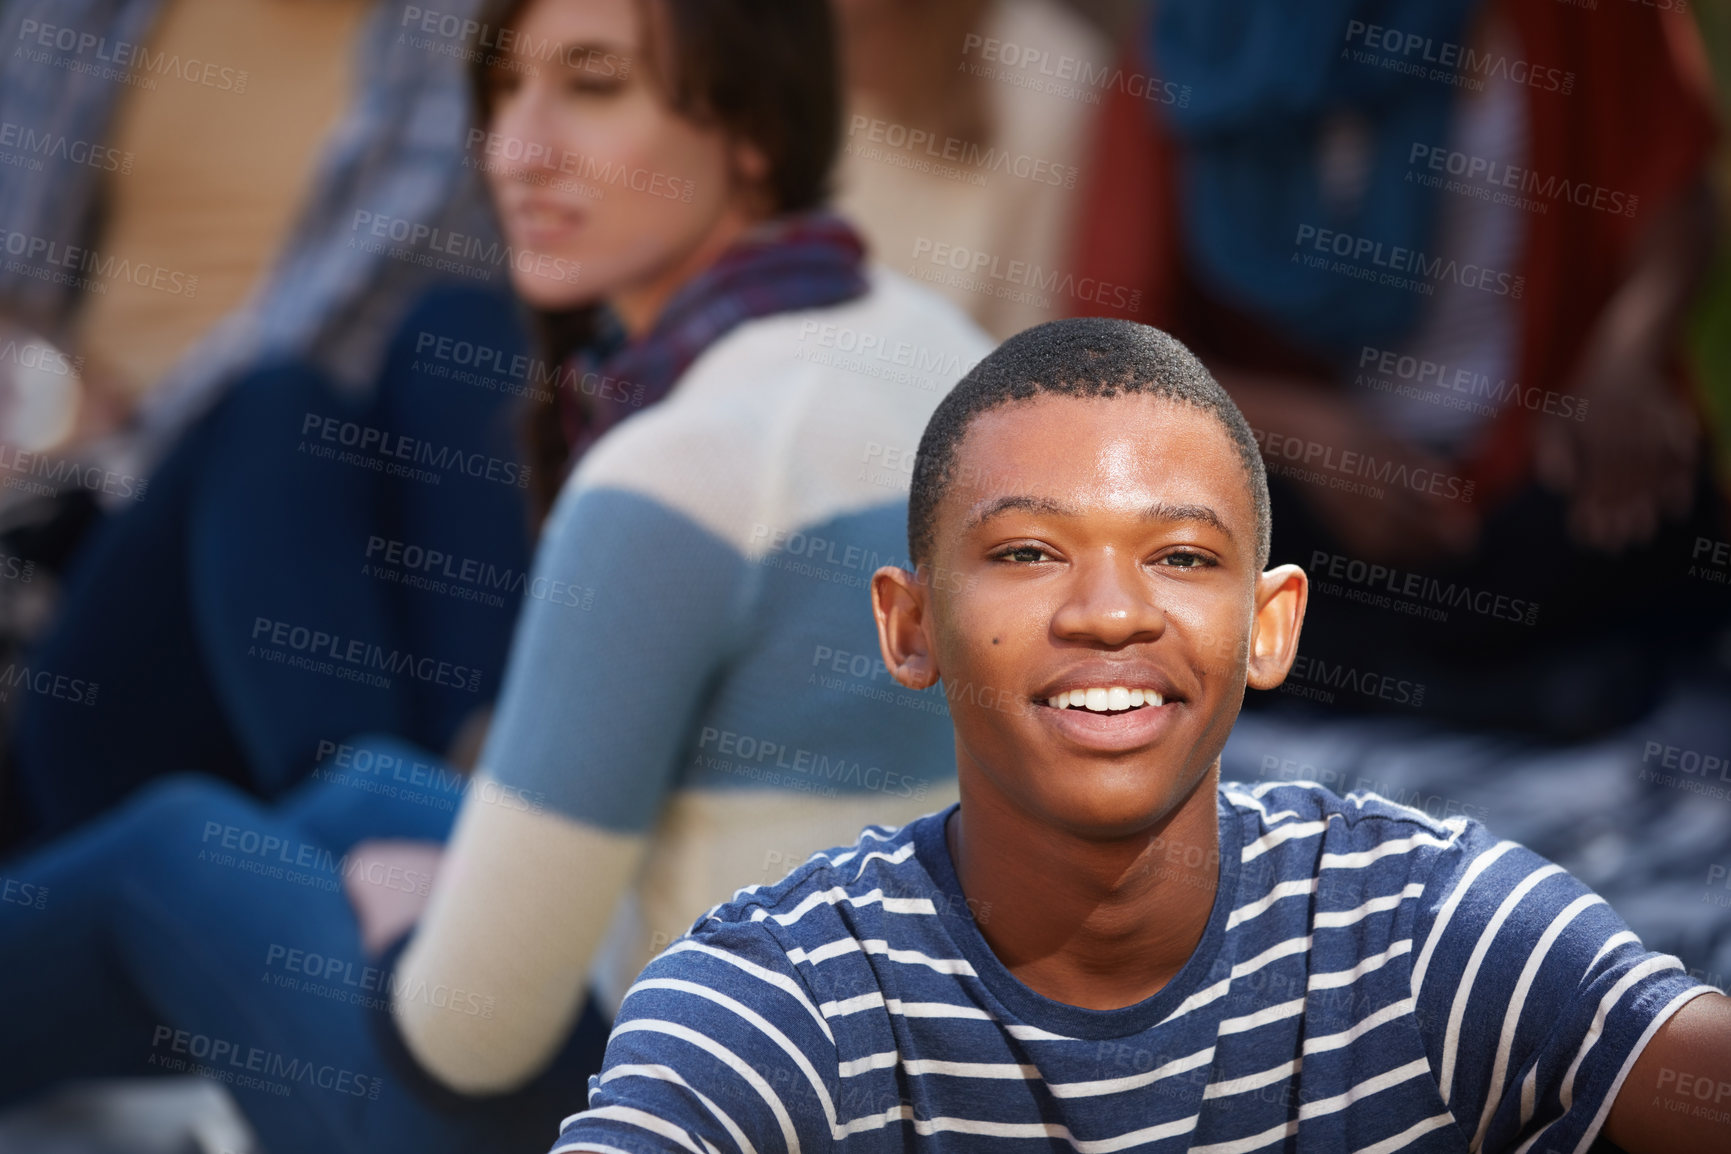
662 736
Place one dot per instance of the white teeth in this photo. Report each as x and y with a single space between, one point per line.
1112 699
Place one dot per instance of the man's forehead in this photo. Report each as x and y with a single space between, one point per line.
1139 449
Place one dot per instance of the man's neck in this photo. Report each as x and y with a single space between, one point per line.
1096 924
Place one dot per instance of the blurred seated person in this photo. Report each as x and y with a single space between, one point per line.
197 174
966 127
1445 284
219 179
682 713
186 185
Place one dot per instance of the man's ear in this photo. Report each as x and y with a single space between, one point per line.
1281 595
901 602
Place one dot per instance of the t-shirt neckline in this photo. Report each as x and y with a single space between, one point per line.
1035 1009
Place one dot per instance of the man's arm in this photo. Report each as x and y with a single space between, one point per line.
1533 1043
1677 1099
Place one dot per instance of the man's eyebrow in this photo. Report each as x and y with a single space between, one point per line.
1158 511
1202 514
1005 504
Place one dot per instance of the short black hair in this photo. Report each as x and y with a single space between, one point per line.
1079 357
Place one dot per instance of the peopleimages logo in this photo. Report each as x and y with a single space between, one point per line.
1385 586
46 683
1279 449
130 61
490 42
1397 266
1483 174
29 143
1456 387
1315 677
532 376
84 268
371 987
471 255
371 446
466 577
1425 56
750 752
986 158
588 169
37 355
46 474
984 271
857 351
231 1062
281 638
1071 77
22 893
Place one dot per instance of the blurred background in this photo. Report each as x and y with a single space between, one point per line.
1462 264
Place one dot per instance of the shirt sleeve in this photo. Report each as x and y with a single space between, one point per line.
1533 997
631 613
718 1047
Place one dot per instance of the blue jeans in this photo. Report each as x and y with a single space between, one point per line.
194 929
256 520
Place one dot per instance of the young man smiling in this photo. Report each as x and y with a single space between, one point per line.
1103 947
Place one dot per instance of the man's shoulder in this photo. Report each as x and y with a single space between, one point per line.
1304 826
1371 815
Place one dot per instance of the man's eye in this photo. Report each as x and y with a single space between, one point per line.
1184 559
1023 554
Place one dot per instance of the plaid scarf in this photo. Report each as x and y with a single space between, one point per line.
790 263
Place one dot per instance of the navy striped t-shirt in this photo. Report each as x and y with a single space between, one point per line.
1369 980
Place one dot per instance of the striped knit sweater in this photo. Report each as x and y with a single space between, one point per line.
694 698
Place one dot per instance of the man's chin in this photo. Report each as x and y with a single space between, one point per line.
1111 811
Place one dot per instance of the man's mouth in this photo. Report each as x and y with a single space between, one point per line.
1109 700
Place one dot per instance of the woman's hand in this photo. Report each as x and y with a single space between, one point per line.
388 882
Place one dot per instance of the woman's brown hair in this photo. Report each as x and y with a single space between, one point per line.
764 71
